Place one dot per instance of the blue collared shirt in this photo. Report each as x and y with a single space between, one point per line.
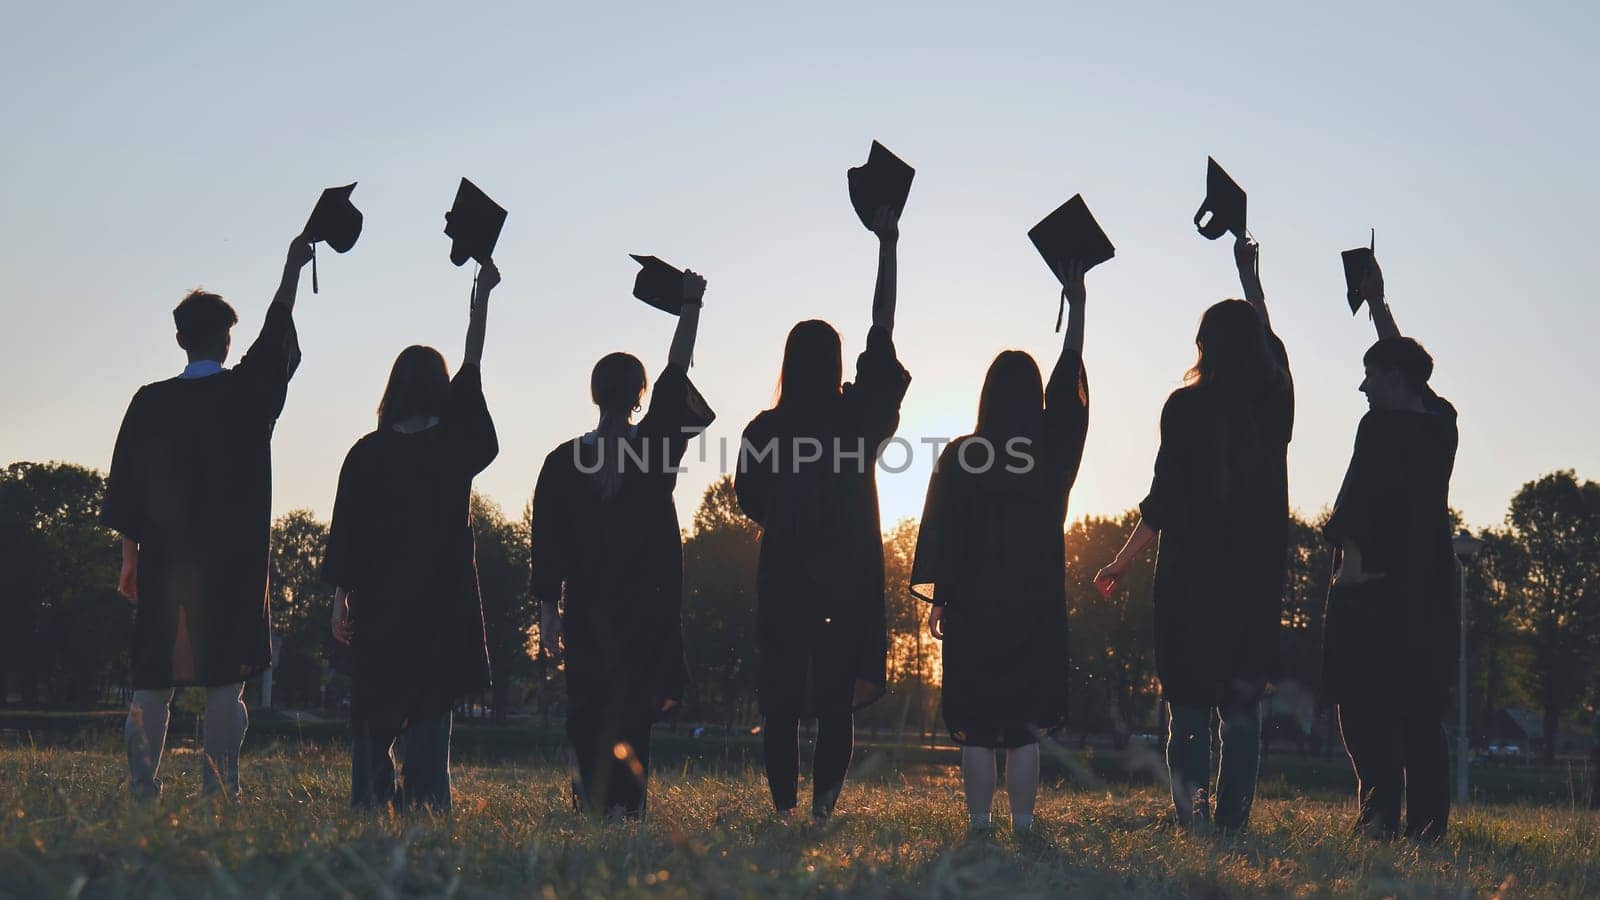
201 368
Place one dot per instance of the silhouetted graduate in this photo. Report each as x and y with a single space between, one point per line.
1219 502
401 554
607 565
807 475
1390 641
991 560
190 491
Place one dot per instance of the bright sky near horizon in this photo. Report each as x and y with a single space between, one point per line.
147 152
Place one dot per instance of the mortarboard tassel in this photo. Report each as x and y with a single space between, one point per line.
1061 309
472 298
313 268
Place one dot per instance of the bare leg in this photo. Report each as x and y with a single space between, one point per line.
1022 784
226 721
146 736
978 778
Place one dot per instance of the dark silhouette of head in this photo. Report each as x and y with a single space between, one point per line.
419 385
812 369
1012 398
617 384
1398 370
205 322
1237 370
1234 359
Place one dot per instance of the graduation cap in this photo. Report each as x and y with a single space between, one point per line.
1357 263
885 180
1225 201
658 284
473 225
1070 234
334 219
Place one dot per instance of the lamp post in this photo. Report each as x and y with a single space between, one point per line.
1466 547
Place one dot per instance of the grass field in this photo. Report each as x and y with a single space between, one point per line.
69 831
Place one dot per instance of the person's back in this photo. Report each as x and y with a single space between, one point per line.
606 564
190 493
1219 503
1390 640
401 556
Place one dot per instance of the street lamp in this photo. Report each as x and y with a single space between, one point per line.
1466 547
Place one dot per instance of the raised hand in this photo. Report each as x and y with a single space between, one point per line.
1247 256
694 287
1071 275
488 278
886 224
299 253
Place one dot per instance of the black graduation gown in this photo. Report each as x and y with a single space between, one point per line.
401 544
620 561
990 550
819 579
1394 639
191 482
1223 559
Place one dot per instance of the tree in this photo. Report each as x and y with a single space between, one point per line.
1556 520
1112 639
914 657
1296 703
1497 653
58 576
719 606
301 607
508 609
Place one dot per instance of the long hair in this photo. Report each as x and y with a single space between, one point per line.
615 386
1236 368
419 385
812 368
1012 399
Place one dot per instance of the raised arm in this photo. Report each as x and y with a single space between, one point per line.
1247 256
1382 317
886 225
694 291
1071 275
478 319
289 284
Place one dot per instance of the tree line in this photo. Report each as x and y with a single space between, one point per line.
1533 616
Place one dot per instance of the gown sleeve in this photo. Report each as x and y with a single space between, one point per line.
550 555
1066 411
1167 504
123 509
1355 510
271 361
677 413
753 478
1285 409
880 385
341 560
930 566
469 430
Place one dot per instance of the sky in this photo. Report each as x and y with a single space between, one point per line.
149 151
